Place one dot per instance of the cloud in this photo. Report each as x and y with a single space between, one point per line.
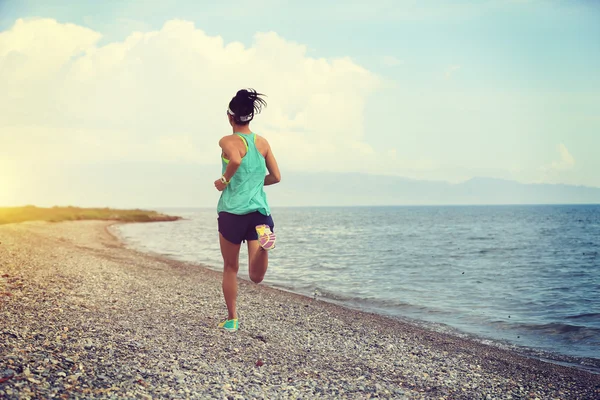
35 50
566 159
451 70
161 96
391 61
559 170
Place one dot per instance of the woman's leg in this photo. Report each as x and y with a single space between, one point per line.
230 253
258 257
258 261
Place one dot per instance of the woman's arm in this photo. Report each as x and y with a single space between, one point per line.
274 175
235 160
232 154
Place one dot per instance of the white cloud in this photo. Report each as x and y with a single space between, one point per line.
162 96
391 61
566 159
558 171
564 163
451 70
41 45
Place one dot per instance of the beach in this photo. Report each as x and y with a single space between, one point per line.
82 316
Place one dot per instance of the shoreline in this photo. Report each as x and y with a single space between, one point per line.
144 325
587 364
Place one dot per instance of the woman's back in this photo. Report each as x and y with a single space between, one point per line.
245 192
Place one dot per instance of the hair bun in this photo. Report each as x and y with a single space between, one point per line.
247 94
246 104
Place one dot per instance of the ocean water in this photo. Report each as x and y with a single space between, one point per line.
524 277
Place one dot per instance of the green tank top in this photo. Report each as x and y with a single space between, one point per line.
245 193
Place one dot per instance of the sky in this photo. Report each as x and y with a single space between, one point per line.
434 90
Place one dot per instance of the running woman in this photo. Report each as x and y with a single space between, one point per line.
243 211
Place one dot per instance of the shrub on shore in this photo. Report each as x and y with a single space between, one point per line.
57 214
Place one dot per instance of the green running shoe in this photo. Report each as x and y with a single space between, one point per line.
229 325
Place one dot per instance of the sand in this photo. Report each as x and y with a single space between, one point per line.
82 316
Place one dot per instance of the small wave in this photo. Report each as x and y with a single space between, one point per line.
371 303
497 250
560 328
575 332
584 316
341 297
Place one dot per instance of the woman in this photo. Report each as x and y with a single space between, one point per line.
244 213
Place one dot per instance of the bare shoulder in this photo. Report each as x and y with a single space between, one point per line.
262 144
225 139
262 141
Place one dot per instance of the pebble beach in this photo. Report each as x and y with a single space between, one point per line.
82 316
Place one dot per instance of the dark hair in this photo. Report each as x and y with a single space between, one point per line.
245 105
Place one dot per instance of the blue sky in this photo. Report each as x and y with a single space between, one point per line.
449 90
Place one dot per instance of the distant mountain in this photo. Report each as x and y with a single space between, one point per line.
362 189
172 185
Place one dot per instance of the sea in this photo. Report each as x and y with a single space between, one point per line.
525 278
